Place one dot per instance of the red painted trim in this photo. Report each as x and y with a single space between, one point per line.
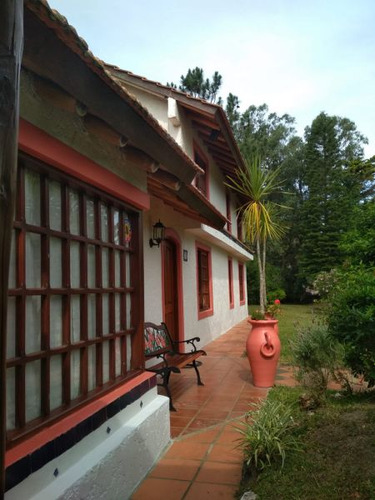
210 310
197 149
52 432
230 283
39 144
171 234
241 278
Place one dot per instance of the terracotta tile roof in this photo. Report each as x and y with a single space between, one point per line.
68 34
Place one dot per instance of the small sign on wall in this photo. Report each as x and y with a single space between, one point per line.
185 255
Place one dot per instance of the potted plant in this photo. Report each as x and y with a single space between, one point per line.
255 184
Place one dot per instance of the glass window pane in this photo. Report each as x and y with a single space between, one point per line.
33 260
116 227
75 316
117 312
55 262
91 268
105 362
104 222
127 270
75 264
117 268
91 367
74 212
118 356
75 382
32 197
105 313
91 316
90 218
128 352
13 262
56 387
33 390
55 205
128 310
55 322
11 327
11 399
33 334
105 267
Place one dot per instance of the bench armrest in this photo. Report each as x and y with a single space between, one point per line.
188 341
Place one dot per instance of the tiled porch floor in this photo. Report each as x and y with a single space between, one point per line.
203 461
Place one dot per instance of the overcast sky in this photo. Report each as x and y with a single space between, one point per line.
299 57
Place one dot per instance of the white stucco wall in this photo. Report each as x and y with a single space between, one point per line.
223 317
106 465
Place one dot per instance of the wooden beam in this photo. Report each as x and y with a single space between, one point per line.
167 180
11 40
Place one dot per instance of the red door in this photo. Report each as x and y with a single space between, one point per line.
170 288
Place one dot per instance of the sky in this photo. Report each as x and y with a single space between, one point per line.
300 57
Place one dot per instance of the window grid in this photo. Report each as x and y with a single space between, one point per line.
241 283
35 296
204 282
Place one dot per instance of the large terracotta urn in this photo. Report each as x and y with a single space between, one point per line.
263 351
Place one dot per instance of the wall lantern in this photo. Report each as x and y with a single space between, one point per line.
158 234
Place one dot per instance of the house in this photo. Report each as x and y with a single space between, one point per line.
96 172
202 290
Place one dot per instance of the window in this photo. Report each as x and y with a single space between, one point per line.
201 180
229 213
241 282
204 282
73 299
230 283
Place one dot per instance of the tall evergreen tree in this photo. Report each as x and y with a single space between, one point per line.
332 144
195 84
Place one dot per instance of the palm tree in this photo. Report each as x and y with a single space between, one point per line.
256 184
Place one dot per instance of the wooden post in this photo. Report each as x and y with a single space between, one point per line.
11 45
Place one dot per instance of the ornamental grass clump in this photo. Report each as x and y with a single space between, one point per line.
268 435
318 359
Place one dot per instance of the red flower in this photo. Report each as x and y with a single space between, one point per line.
277 301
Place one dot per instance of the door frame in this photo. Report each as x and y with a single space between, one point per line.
171 234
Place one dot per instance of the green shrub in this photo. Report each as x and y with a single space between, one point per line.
268 434
317 357
351 319
276 294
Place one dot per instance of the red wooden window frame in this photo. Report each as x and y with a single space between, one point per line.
230 283
123 288
229 212
204 281
201 181
241 283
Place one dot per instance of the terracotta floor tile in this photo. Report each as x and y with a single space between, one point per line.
228 437
202 437
220 473
176 431
203 491
225 453
208 412
188 450
176 468
160 489
201 423
177 421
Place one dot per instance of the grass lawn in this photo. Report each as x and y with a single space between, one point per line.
290 318
337 457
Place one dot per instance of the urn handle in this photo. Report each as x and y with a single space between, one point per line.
267 349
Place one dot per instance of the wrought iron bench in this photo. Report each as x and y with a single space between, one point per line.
159 344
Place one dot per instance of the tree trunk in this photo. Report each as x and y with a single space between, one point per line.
261 277
11 45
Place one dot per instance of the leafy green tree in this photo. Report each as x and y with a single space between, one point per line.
330 191
358 244
195 84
